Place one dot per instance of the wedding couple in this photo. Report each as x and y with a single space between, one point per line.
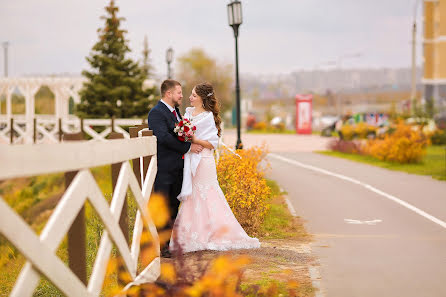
187 173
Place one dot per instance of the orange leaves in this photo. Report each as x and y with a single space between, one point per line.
221 279
243 183
405 145
159 211
168 273
360 130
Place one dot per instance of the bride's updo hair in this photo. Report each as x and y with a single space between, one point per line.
210 102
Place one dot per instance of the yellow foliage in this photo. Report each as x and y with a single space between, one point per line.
406 145
359 130
260 126
158 209
168 273
363 129
243 183
347 132
266 128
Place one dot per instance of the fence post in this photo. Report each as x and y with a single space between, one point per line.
77 252
113 123
115 168
35 130
133 131
82 126
146 159
11 131
60 130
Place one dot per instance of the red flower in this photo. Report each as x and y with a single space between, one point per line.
180 124
186 128
181 138
194 128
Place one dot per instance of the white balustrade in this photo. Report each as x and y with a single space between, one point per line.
39 251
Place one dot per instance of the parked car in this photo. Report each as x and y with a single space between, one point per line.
327 124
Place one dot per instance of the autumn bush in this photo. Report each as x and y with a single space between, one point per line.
267 128
345 146
439 137
402 143
241 178
346 132
360 130
407 144
363 130
260 126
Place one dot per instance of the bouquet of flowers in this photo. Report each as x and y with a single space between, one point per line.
184 130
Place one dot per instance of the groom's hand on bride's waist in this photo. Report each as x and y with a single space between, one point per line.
196 148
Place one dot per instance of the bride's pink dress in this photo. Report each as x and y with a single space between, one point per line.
205 220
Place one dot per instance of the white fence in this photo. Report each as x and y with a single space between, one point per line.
80 156
62 87
46 129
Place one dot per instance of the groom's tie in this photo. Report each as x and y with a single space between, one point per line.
175 114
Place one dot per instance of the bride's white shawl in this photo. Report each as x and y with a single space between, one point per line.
206 130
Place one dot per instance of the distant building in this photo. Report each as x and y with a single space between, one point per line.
434 76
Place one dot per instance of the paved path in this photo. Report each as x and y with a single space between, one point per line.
279 142
377 232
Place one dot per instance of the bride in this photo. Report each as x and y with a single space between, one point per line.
205 220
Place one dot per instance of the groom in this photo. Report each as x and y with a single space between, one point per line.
170 151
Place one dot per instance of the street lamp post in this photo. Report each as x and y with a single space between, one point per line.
5 48
235 20
169 59
413 89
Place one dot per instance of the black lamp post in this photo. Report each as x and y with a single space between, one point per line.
5 48
169 59
235 20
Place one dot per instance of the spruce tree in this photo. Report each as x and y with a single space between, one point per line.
115 83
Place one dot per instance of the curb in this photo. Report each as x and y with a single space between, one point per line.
314 270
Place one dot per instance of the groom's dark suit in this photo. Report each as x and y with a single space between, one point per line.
170 153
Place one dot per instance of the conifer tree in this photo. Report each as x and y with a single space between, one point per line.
115 82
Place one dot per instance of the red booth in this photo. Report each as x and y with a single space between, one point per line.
304 109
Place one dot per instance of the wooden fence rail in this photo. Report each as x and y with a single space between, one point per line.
43 129
75 158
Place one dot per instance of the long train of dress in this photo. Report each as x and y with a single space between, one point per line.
205 220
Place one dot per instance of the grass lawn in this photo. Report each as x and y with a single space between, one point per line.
434 163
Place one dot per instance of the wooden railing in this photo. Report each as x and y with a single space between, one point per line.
49 129
75 158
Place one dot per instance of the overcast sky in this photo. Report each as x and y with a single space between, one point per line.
281 36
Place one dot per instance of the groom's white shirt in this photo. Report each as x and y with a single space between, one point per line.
170 108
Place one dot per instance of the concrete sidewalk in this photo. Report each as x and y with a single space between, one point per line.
278 143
